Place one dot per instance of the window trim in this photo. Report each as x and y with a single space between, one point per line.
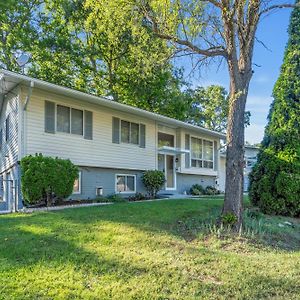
191 158
125 192
79 183
139 131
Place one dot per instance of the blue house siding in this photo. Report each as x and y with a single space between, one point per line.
185 181
103 177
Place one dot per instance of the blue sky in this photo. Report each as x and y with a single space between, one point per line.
273 32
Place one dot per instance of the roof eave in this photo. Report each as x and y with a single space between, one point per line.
111 104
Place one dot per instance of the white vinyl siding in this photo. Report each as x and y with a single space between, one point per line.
99 152
9 130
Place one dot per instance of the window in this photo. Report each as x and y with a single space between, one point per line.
196 153
77 121
125 183
7 128
77 185
165 139
208 154
59 118
63 119
202 153
134 133
125 132
69 120
130 132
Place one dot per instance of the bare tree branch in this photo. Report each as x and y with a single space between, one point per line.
215 3
209 52
278 6
263 44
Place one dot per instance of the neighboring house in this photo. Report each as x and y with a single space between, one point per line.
250 160
111 143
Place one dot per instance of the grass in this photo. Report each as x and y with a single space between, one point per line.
153 250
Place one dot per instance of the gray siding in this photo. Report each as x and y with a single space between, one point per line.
185 181
105 178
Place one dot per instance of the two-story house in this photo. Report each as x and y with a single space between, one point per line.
111 143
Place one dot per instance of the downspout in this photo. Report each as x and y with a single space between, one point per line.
29 94
22 140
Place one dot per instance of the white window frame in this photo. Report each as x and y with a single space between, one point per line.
79 183
126 175
120 131
191 158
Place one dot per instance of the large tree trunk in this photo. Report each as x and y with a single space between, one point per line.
235 160
239 85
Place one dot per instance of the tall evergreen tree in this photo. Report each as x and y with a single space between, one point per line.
275 180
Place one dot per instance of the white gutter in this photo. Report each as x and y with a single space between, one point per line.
109 103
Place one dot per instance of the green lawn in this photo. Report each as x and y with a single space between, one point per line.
153 250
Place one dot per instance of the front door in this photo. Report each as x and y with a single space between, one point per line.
166 164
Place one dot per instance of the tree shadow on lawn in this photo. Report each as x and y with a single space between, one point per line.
177 218
51 238
23 248
188 221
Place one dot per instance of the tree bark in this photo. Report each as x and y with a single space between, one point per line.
239 86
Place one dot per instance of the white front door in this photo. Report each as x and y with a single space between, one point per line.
166 164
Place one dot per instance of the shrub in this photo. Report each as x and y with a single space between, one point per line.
210 190
138 197
117 198
44 178
275 184
196 190
153 181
